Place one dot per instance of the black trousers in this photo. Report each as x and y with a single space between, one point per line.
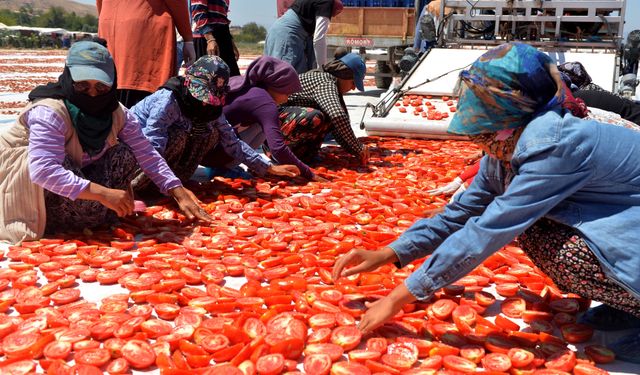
627 109
225 46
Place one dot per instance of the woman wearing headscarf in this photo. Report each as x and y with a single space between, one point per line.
567 188
67 162
252 108
323 90
183 120
299 37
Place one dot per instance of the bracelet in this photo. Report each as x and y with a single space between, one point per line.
211 40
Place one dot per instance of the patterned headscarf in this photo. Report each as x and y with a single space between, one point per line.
504 89
208 80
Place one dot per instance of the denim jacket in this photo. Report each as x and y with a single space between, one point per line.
581 173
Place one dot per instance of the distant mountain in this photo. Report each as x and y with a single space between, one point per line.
44 5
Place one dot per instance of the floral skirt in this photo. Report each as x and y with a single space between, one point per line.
115 170
184 152
563 255
304 130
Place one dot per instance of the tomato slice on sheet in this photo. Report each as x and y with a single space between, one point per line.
317 364
270 364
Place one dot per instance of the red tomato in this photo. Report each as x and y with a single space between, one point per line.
349 368
57 350
473 353
563 361
520 358
317 364
513 307
600 354
270 364
586 369
138 353
347 337
94 357
576 333
443 308
496 362
455 363
334 351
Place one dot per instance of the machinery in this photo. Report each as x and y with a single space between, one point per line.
470 28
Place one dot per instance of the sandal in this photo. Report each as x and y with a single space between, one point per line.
607 318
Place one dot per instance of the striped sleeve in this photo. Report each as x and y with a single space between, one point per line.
208 13
150 161
46 154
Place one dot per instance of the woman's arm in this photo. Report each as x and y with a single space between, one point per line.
156 117
267 115
320 40
539 186
150 161
47 154
238 149
328 99
180 14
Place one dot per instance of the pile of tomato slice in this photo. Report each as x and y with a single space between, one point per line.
178 314
427 106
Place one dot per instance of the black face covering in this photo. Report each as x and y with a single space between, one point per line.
195 110
91 116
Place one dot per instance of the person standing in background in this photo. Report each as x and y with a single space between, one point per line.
144 63
211 24
299 36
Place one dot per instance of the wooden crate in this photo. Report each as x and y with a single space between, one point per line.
374 23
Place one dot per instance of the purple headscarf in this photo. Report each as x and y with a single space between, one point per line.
267 72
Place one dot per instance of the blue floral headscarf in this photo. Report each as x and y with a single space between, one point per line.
504 89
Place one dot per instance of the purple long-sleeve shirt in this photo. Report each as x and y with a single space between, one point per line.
257 106
47 153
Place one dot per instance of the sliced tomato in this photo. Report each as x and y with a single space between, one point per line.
600 354
138 353
496 362
317 364
270 364
455 363
347 337
576 333
563 361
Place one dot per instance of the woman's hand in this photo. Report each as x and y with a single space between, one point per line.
120 201
318 178
189 204
188 53
212 47
449 188
384 309
364 261
364 155
285 170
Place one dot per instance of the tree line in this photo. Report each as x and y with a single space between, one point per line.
55 17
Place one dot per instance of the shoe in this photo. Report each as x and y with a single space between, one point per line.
627 348
607 318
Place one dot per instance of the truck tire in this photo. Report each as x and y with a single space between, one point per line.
383 82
